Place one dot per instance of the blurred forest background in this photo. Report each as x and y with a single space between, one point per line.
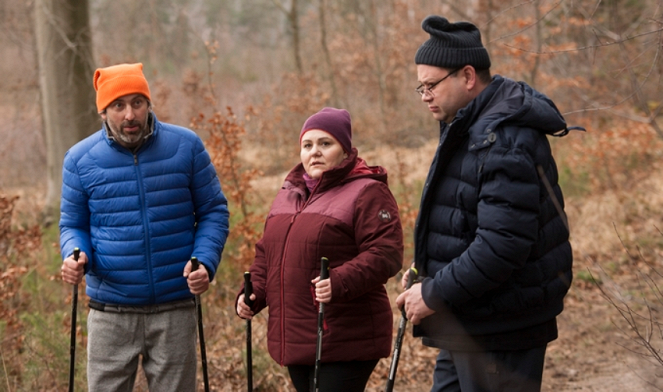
245 74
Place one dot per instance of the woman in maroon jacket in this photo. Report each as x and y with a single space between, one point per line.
331 205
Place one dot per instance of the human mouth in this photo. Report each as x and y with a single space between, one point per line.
131 127
131 131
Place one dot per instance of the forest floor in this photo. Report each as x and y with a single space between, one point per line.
593 354
617 243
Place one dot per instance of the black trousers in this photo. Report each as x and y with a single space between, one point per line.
489 371
349 376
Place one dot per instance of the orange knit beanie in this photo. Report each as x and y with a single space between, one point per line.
119 80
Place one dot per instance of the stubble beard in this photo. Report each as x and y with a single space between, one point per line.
129 140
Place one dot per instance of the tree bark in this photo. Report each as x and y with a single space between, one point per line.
292 14
325 51
66 66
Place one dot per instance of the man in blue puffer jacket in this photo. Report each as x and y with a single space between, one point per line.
491 239
140 198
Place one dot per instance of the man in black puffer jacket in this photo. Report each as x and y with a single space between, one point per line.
491 239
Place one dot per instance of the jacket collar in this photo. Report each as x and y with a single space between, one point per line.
152 123
351 168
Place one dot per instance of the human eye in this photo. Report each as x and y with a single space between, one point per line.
138 103
117 106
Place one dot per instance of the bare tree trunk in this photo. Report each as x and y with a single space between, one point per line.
64 56
539 40
372 18
293 20
325 51
294 23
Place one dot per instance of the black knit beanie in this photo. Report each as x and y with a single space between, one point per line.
452 45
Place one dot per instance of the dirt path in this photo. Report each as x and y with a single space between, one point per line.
592 354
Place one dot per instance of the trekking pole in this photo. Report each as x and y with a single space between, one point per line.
411 275
201 337
72 344
324 274
248 290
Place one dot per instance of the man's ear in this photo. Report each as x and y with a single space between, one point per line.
470 75
103 115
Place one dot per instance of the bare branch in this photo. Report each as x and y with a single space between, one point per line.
583 48
640 327
536 22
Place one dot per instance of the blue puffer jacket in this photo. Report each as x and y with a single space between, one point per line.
140 217
489 237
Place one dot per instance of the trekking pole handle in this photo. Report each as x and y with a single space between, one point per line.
324 274
248 289
201 337
194 263
411 277
324 268
72 343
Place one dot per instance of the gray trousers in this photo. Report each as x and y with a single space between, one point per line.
166 340
489 371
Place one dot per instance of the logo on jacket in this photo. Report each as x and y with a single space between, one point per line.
384 216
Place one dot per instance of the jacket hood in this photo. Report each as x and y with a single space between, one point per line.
507 102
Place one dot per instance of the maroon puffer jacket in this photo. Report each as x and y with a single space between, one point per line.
352 219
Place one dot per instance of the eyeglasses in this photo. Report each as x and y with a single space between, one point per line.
423 90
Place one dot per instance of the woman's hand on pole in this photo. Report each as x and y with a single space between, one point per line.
323 290
243 310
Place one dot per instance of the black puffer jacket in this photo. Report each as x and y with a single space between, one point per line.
488 236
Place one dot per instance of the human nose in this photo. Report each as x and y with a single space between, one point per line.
129 113
426 96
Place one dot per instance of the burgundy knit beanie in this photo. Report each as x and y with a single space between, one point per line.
336 122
